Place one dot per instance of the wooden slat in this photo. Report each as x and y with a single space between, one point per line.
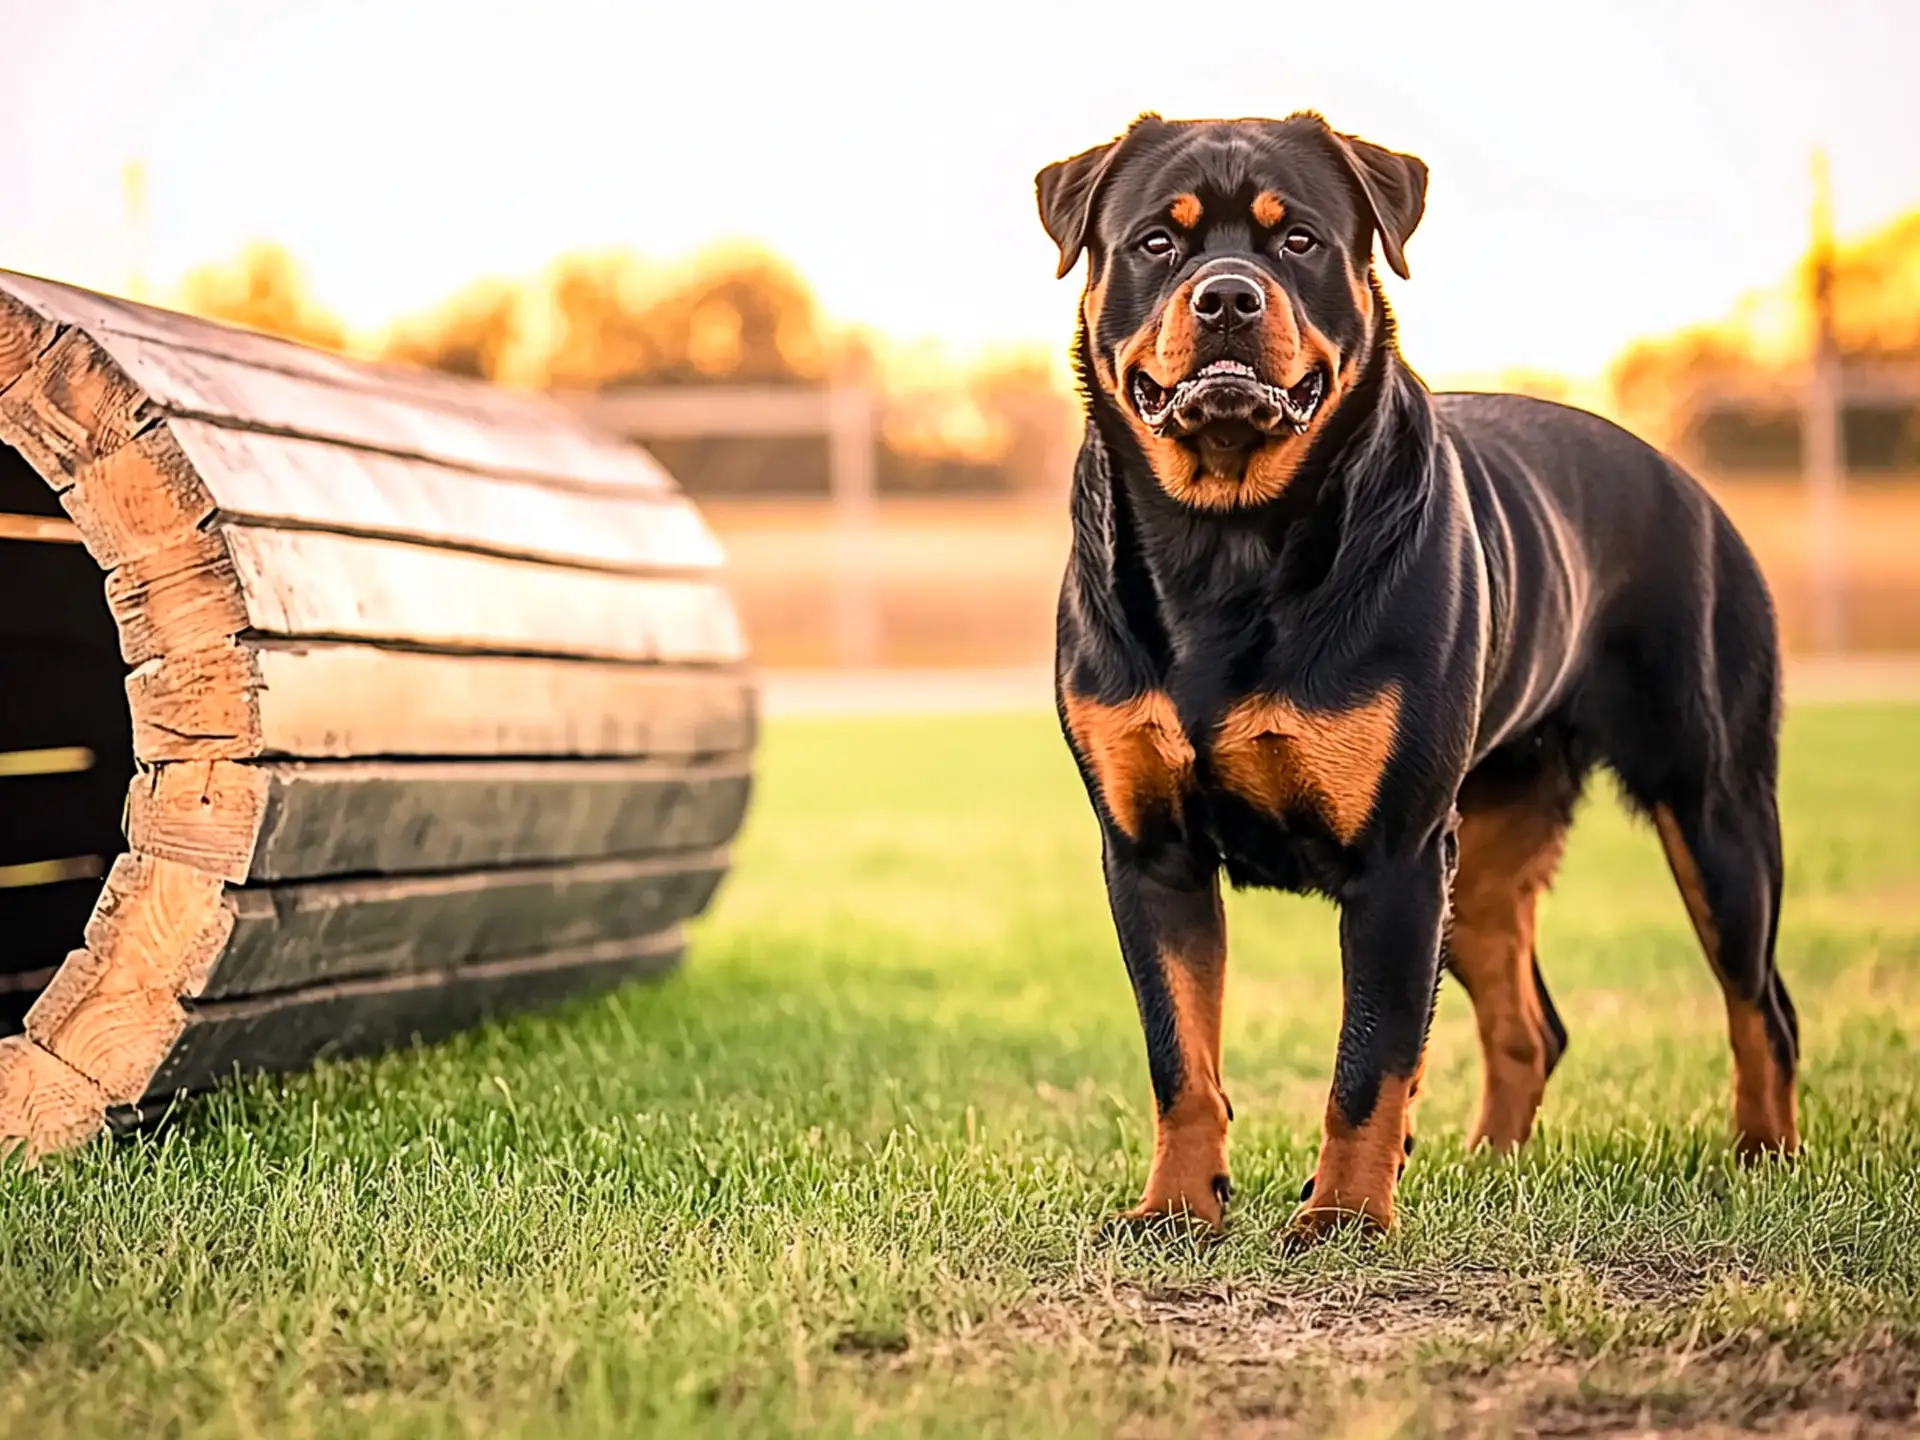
113 1009
140 498
52 760
190 382
288 1031
290 936
320 485
73 407
45 1104
197 367
301 584
348 701
39 529
24 333
288 820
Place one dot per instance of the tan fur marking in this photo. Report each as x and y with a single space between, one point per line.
1360 1165
1268 209
1190 1140
1279 757
1362 295
1138 753
1186 210
1507 860
1765 1104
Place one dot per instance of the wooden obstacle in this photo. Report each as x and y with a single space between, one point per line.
404 700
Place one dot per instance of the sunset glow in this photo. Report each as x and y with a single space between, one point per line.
402 151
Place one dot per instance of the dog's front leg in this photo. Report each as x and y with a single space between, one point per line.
1390 924
1174 938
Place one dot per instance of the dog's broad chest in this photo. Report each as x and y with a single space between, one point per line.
1154 770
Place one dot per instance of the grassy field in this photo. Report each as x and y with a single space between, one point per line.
845 1174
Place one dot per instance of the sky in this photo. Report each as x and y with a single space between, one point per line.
1600 172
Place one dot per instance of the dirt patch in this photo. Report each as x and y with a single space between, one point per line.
1454 1353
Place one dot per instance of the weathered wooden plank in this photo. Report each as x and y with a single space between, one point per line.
321 485
285 820
291 936
45 1104
186 596
73 406
145 496
199 367
298 584
215 585
203 813
39 530
343 701
24 333
112 1010
290 1030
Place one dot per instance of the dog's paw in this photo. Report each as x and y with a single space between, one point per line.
1207 1212
1312 1224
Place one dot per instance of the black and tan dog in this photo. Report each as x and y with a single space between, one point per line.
1323 630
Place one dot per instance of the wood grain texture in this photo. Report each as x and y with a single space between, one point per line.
24 332
45 1104
287 820
259 699
197 367
112 1010
213 586
205 814
304 584
355 1017
280 479
74 406
183 597
145 496
290 936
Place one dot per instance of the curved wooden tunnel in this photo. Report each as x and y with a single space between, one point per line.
405 700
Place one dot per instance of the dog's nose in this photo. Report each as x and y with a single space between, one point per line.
1220 302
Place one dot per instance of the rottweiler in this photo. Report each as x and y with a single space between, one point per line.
1323 630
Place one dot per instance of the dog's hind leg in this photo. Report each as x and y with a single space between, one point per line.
1687 711
1726 862
1510 845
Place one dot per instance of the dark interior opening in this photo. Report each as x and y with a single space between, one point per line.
66 741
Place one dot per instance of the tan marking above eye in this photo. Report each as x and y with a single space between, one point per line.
1186 210
1279 757
1268 209
1137 750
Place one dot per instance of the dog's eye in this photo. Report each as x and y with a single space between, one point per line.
1157 243
1298 242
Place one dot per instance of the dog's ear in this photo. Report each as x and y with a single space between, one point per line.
1395 187
1067 190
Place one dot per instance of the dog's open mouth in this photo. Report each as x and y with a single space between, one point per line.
1228 402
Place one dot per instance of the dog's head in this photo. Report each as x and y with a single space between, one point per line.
1230 300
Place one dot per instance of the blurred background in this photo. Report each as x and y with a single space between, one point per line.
794 249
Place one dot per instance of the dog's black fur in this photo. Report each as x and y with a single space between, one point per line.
1374 655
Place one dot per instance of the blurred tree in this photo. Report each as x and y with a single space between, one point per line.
741 316
478 333
262 288
1876 301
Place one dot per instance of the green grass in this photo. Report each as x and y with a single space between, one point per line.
845 1172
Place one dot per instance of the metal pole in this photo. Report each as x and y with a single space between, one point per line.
1822 445
852 478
